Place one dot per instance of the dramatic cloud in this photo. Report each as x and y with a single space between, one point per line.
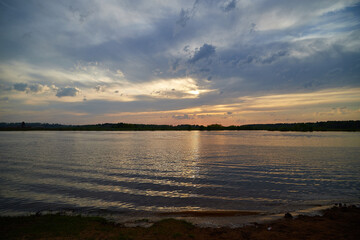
204 52
176 62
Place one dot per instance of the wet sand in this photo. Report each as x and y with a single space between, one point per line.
335 223
209 213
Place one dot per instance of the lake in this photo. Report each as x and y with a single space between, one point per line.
161 171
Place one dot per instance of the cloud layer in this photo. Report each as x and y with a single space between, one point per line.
176 62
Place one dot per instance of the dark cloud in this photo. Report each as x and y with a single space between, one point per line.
182 117
100 88
67 92
186 14
204 70
229 5
186 48
273 57
36 88
79 14
264 56
175 65
252 28
183 17
5 86
204 52
27 35
20 87
205 116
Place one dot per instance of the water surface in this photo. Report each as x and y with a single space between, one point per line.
129 172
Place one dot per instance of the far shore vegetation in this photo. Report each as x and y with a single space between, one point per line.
302 127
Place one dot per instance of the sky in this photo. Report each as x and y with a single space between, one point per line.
229 62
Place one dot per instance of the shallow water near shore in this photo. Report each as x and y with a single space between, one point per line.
137 174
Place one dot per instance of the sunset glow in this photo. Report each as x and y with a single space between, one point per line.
179 62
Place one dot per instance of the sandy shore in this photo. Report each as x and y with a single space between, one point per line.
335 223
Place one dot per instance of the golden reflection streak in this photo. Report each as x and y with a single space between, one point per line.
152 193
126 179
190 174
192 170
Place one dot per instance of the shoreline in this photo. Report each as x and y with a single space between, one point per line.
349 125
338 222
200 217
213 218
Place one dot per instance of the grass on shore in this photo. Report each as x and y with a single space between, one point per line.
336 223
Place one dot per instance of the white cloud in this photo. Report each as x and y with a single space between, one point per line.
282 16
98 82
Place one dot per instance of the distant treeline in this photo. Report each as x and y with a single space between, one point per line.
304 127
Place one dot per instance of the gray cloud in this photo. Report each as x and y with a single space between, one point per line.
100 88
5 86
183 17
229 5
175 65
37 88
20 87
204 52
79 14
182 117
273 57
186 14
67 92
266 58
